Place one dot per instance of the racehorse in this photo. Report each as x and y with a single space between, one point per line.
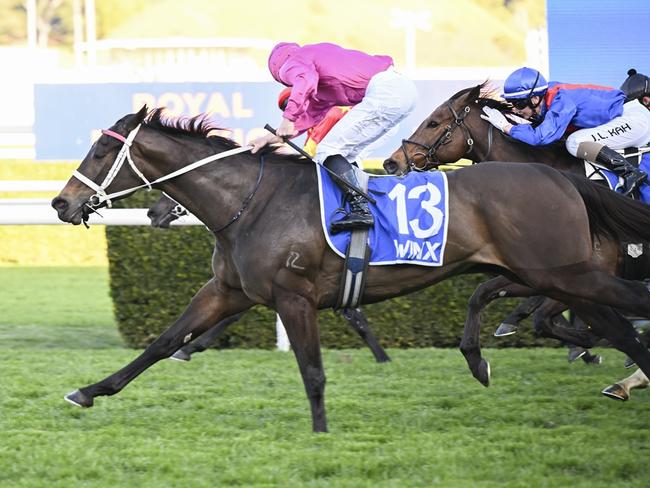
455 130
270 248
164 212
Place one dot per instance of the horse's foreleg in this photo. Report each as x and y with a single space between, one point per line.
205 340
524 310
294 300
359 323
210 304
611 325
546 327
621 389
470 344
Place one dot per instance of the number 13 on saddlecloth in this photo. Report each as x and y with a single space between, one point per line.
398 193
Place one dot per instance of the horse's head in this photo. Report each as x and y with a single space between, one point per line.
100 170
165 211
443 137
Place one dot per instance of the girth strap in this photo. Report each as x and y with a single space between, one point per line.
356 261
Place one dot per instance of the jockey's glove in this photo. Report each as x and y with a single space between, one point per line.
496 118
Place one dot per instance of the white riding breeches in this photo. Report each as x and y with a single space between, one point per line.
389 98
631 129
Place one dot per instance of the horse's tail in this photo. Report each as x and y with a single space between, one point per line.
611 214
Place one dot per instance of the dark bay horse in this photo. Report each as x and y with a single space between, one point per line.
270 248
164 212
455 130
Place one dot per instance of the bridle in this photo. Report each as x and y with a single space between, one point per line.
445 138
100 196
178 210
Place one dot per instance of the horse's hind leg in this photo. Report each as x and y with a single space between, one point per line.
359 323
621 389
295 303
596 286
470 344
208 306
205 340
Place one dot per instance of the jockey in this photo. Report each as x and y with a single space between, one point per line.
637 87
318 132
600 118
323 76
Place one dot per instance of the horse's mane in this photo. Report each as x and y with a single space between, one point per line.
199 127
486 95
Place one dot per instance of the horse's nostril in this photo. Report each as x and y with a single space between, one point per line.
390 166
59 204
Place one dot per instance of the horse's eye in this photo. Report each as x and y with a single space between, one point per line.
432 124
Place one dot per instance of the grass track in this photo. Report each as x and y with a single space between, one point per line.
240 418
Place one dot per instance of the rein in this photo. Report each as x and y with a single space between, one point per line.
101 196
247 200
430 155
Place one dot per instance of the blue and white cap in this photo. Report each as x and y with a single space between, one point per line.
524 83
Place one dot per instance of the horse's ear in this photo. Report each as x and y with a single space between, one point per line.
475 93
133 120
142 113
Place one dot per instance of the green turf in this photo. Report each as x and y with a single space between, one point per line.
56 307
240 417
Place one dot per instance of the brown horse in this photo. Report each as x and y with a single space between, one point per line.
270 248
455 130
164 212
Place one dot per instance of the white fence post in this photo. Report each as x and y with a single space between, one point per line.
282 342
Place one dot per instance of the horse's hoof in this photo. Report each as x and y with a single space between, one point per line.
629 362
617 392
483 373
595 359
505 330
381 356
79 399
576 352
180 355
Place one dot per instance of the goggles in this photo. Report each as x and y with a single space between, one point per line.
520 103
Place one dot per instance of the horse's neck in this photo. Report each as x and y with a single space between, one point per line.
504 148
220 192
213 192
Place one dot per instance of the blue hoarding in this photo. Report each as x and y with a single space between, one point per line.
597 41
68 116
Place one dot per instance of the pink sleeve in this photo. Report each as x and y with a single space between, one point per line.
303 78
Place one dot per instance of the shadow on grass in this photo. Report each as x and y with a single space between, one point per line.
60 337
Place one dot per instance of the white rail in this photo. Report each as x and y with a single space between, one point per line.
24 186
37 211
43 214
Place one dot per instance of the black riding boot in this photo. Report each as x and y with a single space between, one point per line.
632 176
359 215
